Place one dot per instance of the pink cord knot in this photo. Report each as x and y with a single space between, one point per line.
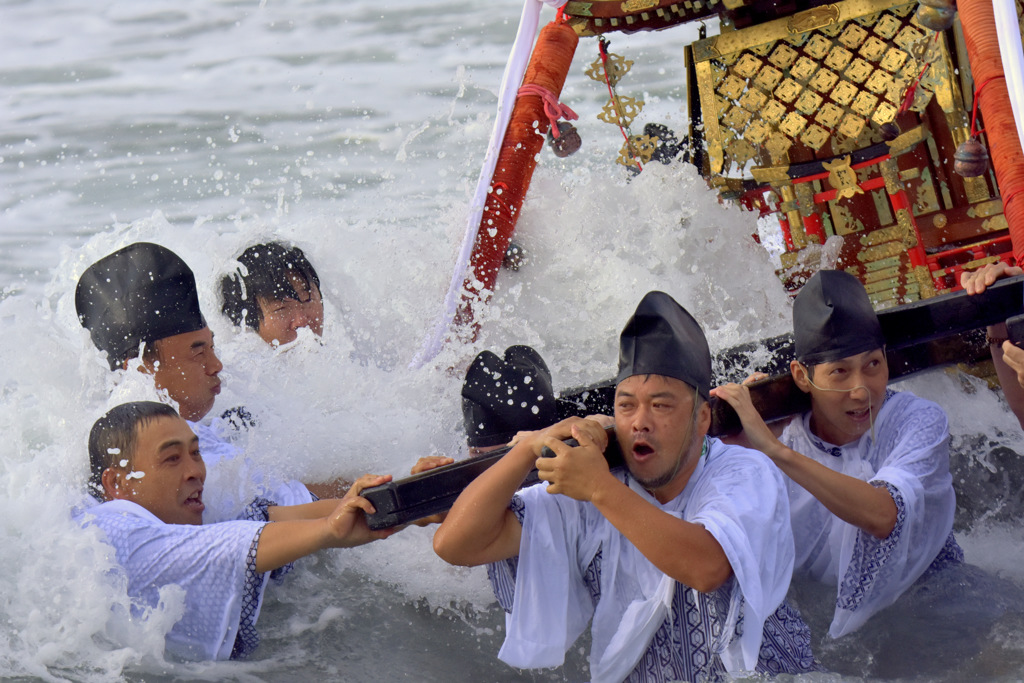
554 109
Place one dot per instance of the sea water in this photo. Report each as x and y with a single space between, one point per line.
356 130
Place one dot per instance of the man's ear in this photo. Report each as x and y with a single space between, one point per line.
148 360
138 364
799 372
704 418
112 488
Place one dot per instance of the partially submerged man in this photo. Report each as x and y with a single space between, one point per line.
679 558
274 291
148 473
144 297
870 491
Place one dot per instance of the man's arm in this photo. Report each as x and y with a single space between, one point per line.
328 489
1007 359
300 532
852 500
684 551
480 529
324 507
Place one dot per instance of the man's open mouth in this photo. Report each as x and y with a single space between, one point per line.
642 449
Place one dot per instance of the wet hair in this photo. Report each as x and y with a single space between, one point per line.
264 274
112 438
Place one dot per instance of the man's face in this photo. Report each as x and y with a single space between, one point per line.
188 369
658 433
842 393
166 473
282 317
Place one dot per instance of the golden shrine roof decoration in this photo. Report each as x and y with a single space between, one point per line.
829 72
595 17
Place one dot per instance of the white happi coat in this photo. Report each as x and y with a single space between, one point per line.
214 564
735 493
910 456
232 480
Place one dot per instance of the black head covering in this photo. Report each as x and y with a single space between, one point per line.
663 339
141 293
502 396
833 319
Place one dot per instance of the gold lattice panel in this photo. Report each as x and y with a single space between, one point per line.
835 72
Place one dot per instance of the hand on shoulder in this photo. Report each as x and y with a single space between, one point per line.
756 433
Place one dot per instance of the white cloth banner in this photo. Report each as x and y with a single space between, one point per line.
522 49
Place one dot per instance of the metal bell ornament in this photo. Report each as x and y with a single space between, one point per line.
515 257
568 141
971 159
937 15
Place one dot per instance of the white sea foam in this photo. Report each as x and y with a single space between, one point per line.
354 131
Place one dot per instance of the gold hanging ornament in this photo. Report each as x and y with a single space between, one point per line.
842 178
638 149
620 111
616 66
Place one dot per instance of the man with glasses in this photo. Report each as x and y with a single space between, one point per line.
871 496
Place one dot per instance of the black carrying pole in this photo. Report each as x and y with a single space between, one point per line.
929 333
428 493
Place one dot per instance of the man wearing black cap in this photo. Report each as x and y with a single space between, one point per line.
144 295
680 560
870 491
142 301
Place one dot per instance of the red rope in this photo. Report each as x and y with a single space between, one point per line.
554 109
602 46
1013 195
974 112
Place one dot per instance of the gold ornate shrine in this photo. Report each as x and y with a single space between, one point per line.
796 115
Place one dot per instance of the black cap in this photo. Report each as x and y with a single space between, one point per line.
663 339
140 293
502 396
833 319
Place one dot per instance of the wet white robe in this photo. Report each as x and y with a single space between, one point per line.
215 564
735 493
911 457
232 480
